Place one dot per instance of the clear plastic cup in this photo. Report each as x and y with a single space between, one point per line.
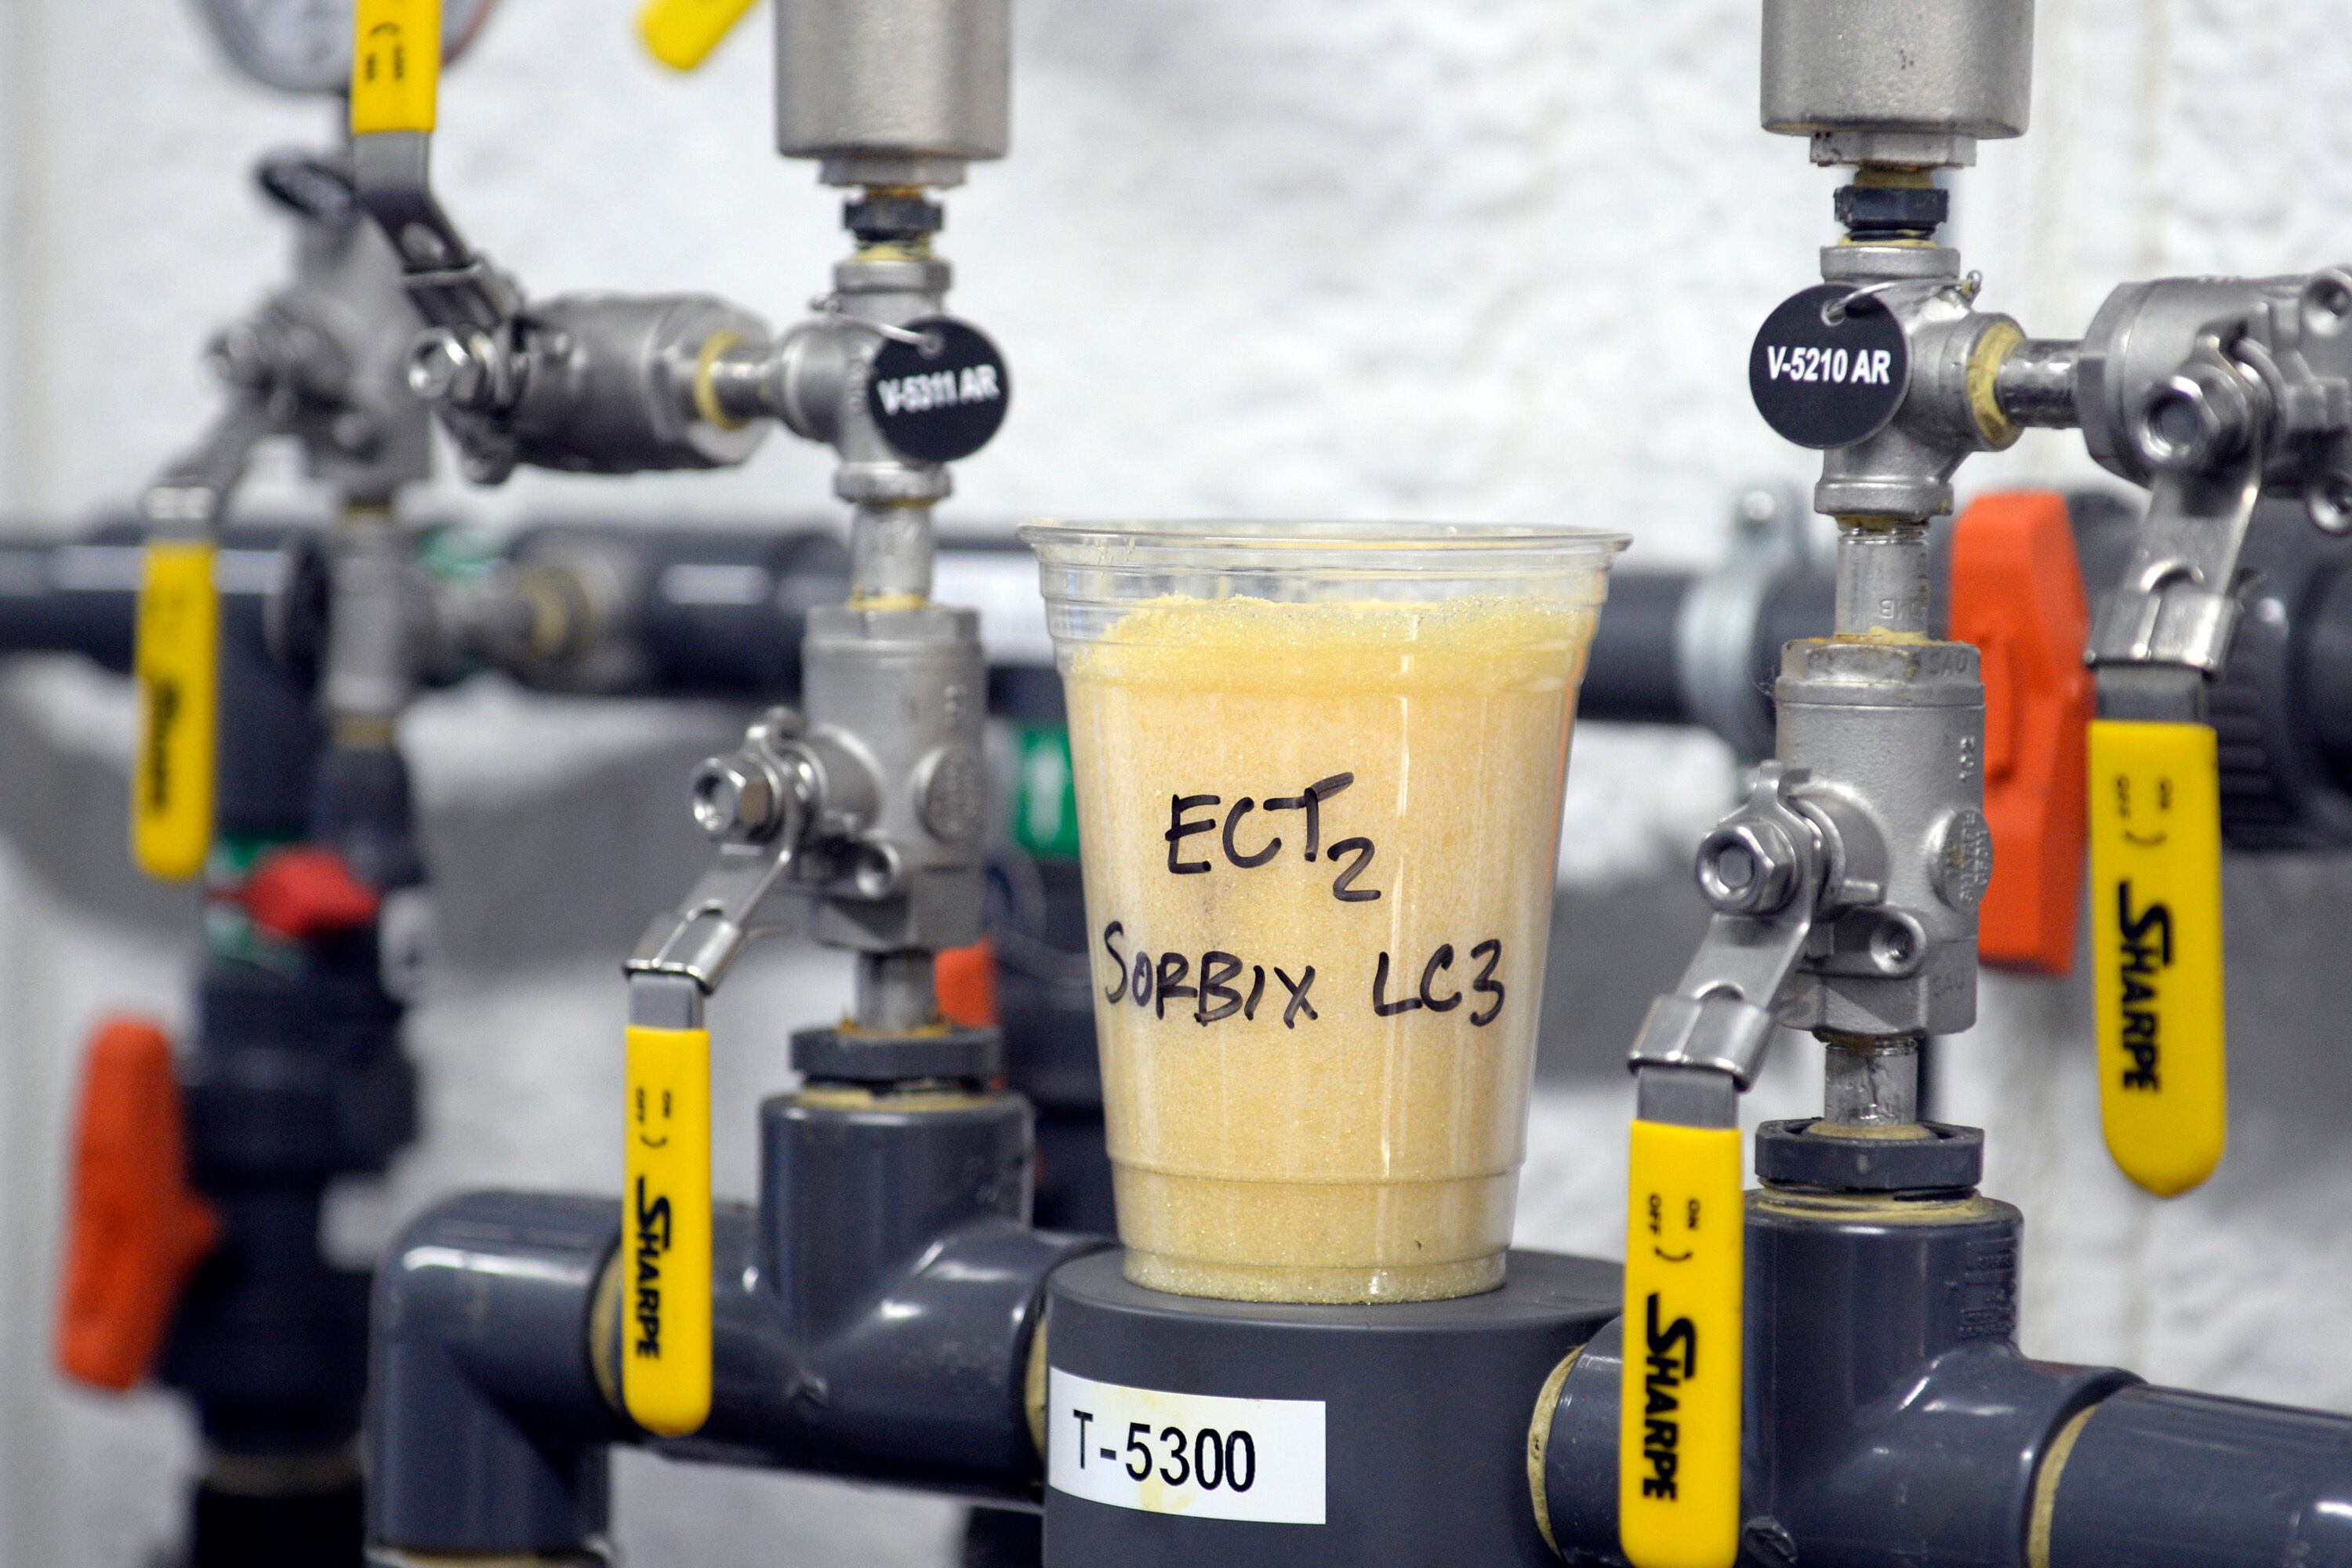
1319 774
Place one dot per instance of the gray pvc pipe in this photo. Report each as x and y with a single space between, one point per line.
2160 1478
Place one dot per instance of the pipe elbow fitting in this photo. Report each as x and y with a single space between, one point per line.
1890 1419
486 1432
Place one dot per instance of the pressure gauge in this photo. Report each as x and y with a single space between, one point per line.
305 46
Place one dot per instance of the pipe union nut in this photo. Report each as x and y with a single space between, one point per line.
1747 867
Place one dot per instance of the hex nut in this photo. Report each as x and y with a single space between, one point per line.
440 369
734 794
2194 419
1885 211
1747 866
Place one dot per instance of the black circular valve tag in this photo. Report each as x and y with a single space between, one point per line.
941 399
1828 368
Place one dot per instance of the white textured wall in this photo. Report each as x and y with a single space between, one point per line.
1338 256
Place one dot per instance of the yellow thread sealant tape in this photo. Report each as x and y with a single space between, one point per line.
395 66
682 33
665 1231
1678 1426
2155 945
177 672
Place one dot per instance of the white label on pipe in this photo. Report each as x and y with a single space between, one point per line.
1196 1453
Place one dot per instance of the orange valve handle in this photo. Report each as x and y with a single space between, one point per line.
136 1229
2017 595
966 980
1678 1426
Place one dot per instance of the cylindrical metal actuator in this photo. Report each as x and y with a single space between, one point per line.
894 91
1897 82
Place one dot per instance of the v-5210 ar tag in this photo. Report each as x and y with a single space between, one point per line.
1828 368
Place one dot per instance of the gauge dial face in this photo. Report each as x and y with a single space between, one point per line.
305 46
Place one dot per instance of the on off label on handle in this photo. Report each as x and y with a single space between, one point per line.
665 1231
395 66
1678 1430
2155 945
176 668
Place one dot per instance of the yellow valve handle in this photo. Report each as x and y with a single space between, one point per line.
395 66
2155 944
665 1231
176 668
1678 1426
682 33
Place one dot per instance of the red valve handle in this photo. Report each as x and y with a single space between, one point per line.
305 892
137 1230
2017 595
966 978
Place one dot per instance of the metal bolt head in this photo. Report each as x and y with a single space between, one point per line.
2194 419
735 797
442 369
1747 866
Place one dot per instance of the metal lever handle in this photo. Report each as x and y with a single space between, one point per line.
2154 775
395 84
2202 432
758 802
193 491
699 939
1764 869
